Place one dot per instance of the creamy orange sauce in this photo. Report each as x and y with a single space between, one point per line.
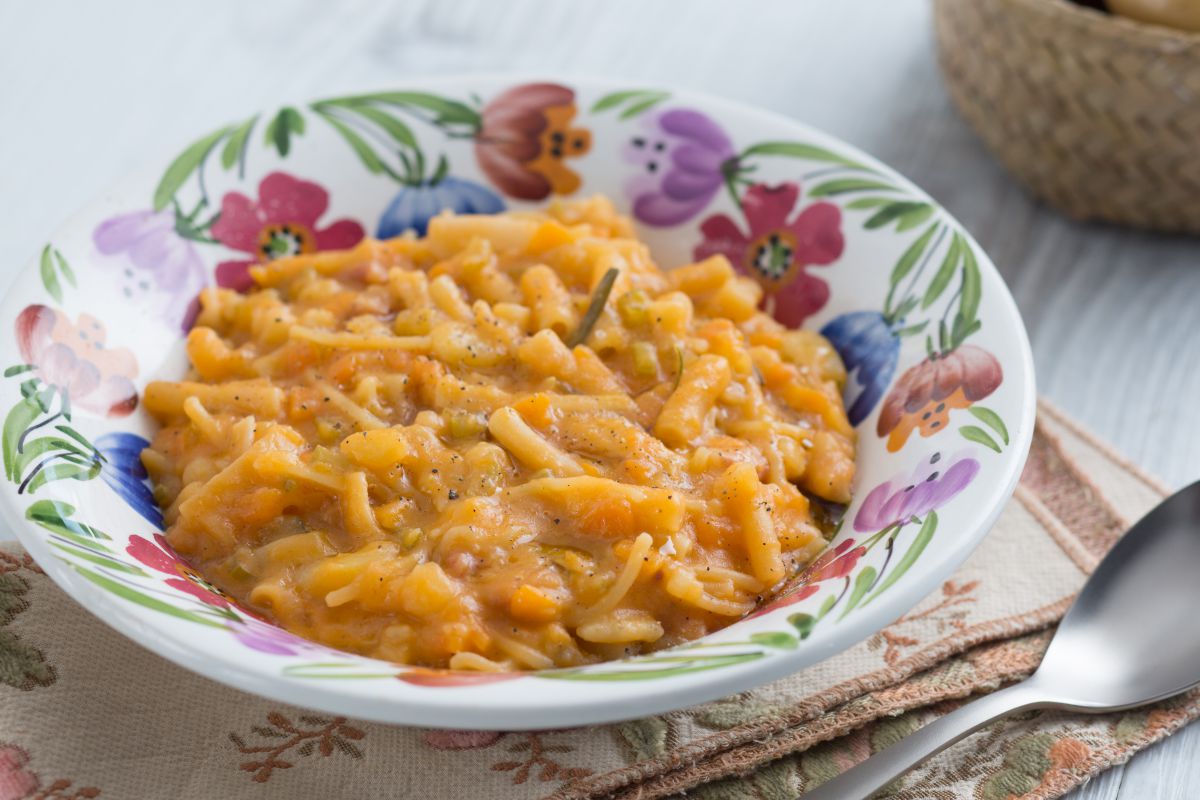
397 451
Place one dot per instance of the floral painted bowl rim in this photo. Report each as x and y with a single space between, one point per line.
523 705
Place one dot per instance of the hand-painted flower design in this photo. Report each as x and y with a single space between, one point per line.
282 222
423 676
870 350
123 471
461 740
414 206
934 482
776 251
926 394
16 782
158 556
267 638
833 563
525 137
158 269
680 156
75 359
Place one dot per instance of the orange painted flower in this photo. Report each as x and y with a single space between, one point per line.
74 358
926 394
525 138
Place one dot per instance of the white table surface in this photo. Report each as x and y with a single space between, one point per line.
90 90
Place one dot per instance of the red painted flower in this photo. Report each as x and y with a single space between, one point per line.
776 251
834 563
158 556
525 137
926 394
423 676
283 222
75 358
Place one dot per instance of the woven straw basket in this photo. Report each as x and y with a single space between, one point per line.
1098 115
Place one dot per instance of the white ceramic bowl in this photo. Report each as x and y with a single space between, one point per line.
941 387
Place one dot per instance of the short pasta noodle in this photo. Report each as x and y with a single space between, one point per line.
515 443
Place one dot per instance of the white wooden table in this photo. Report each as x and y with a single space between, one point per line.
89 90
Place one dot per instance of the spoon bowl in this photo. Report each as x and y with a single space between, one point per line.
1131 637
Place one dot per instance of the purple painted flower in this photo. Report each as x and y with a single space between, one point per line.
267 638
935 481
679 156
158 269
870 349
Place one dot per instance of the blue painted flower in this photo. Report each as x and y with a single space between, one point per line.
124 473
870 349
416 204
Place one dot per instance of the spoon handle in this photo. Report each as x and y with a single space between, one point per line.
857 783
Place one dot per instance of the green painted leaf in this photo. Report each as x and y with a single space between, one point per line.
827 606
445 112
893 211
912 255
17 369
780 640
184 165
20 417
945 273
812 152
868 202
914 217
144 600
803 623
286 124
978 435
908 305
968 304
76 435
99 558
617 98
391 125
62 472
55 516
643 105
862 584
64 268
912 330
35 449
49 279
845 185
924 536
234 151
698 664
363 150
991 419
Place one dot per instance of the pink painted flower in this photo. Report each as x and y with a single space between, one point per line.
158 556
76 358
260 635
461 740
777 251
932 484
16 782
283 222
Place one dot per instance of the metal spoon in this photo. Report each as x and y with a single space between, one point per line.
1131 637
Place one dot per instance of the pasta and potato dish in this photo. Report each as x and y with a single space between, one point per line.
515 443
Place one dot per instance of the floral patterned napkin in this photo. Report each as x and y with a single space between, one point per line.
85 713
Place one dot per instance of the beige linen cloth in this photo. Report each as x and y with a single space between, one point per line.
86 713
